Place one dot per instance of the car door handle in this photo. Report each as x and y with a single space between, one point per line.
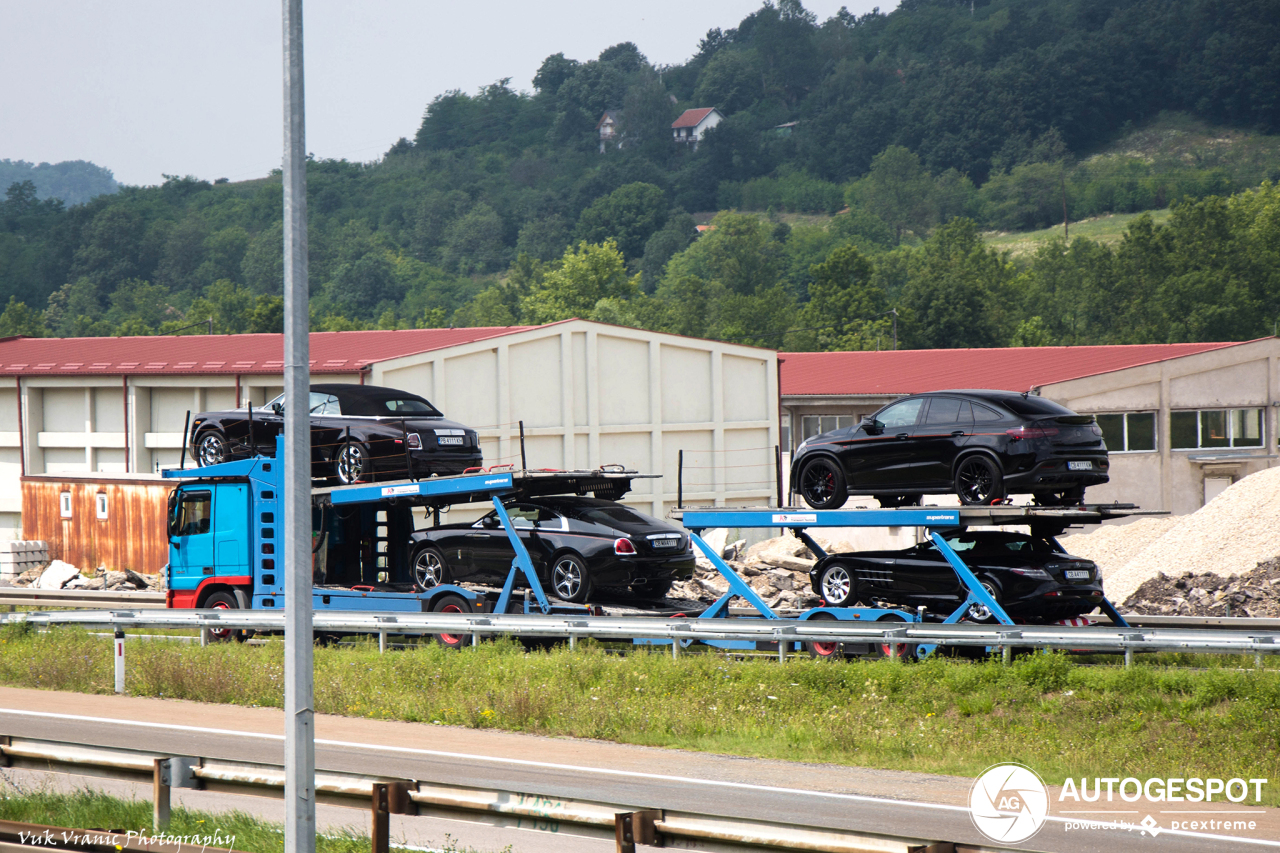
477 535
902 436
957 433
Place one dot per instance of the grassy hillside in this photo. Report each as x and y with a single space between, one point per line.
1107 229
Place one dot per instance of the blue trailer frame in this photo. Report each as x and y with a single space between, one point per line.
934 520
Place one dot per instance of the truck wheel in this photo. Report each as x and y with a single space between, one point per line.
211 448
569 579
452 604
429 568
351 465
224 601
905 651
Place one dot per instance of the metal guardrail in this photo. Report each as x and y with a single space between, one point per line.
628 826
81 598
782 631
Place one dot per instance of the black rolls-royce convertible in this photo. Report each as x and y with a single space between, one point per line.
358 433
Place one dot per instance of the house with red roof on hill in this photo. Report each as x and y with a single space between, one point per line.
694 124
1181 421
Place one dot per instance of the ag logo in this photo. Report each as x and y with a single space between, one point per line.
1009 803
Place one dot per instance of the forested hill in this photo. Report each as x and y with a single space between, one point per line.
927 124
71 181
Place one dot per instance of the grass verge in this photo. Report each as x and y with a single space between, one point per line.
1106 229
1174 716
88 809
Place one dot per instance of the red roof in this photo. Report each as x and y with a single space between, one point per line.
897 372
331 352
692 118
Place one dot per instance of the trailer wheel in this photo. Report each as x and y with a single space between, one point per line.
905 651
429 568
452 604
980 612
825 651
570 580
224 601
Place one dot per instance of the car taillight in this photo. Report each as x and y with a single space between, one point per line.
1019 433
415 441
623 546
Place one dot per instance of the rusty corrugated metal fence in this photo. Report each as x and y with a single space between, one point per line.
130 536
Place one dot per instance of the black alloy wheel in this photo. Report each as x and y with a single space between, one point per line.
822 484
452 604
429 568
351 465
837 585
978 481
211 448
569 579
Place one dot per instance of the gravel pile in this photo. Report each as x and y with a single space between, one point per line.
1113 545
1230 535
1254 593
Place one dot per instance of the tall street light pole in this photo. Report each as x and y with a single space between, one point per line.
299 735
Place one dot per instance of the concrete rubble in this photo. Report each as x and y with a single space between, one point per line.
1253 593
776 569
61 575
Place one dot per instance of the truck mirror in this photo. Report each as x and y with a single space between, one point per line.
173 512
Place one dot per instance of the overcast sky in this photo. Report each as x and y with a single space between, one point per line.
153 87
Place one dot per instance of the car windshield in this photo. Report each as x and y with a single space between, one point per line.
996 544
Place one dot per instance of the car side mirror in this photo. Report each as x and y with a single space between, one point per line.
490 521
871 426
278 408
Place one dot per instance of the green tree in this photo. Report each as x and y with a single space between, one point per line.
587 274
629 216
475 242
956 292
845 306
18 319
899 191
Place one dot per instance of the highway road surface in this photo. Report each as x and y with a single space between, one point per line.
879 801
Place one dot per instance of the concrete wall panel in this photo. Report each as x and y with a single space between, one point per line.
536 395
471 383
686 385
64 409
745 384
1135 398
624 380
581 386
1228 386
630 449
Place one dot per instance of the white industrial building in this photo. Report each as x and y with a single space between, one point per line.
588 394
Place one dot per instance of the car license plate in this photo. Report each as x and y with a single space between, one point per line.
1077 574
450 439
1080 466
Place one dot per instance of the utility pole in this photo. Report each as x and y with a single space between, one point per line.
299 732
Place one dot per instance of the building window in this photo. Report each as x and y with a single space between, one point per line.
1129 432
811 425
1214 428
784 434
64 504
102 505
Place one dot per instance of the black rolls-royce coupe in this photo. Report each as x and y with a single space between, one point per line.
577 545
358 433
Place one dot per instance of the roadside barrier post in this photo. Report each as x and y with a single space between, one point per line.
119 661
159 796
1006 652
381 830
623 834
1128 657
382 642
